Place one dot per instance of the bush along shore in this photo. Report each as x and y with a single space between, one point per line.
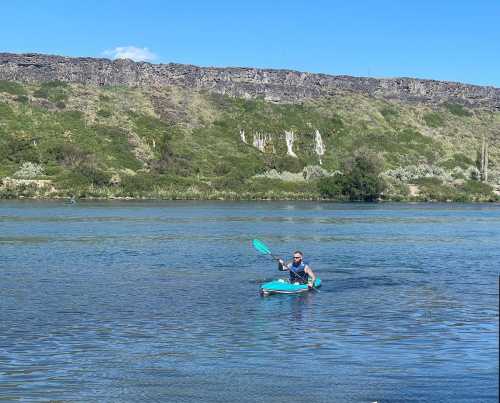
60 140
361 181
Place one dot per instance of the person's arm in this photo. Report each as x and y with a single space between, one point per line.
282 266
312 276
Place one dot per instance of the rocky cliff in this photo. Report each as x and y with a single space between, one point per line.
273 85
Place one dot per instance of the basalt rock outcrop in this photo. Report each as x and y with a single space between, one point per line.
273 85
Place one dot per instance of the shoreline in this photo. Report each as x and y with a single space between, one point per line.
249 199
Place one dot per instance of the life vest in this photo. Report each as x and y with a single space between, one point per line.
297 273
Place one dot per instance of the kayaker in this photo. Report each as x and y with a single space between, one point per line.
300 271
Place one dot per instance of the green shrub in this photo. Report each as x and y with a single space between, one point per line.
112 143
23 99
353 187
477 188
458 173
458 160
150 127
92 175
29 170
69 155
473 173
56 84
182 167
402 146
104 113
146 184
55 91
21 190
71 117
439 192
53 170
389 112
360 182
6 111
104 98
18 150
41 93
174 165
336 122
133 184
434 189
71 180
223 168
411 173
12 87
285 163
233 180
267 185
8 193
431 181
396 190
334 187
458 110
434 119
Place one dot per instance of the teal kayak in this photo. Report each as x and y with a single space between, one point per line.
285 287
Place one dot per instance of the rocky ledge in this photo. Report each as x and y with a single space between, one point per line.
273 85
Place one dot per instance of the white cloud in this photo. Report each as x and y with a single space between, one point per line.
131 52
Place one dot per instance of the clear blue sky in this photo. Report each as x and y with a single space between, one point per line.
441 39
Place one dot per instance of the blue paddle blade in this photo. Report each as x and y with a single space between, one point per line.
261 247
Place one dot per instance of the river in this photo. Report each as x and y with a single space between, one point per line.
159 301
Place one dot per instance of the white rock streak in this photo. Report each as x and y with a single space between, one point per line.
319 146
242 135
260 141
290 138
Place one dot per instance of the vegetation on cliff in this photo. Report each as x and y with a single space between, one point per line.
59 139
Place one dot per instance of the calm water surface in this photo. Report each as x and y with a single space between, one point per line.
146 301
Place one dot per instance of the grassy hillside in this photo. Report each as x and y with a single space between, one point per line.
58 139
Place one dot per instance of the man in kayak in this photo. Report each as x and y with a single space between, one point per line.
300 271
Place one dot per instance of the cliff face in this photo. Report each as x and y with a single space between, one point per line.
273 85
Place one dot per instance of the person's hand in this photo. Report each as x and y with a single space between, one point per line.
282 262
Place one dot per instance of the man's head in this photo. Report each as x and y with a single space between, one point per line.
297 256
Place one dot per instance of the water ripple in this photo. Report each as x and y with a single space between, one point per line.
159 301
